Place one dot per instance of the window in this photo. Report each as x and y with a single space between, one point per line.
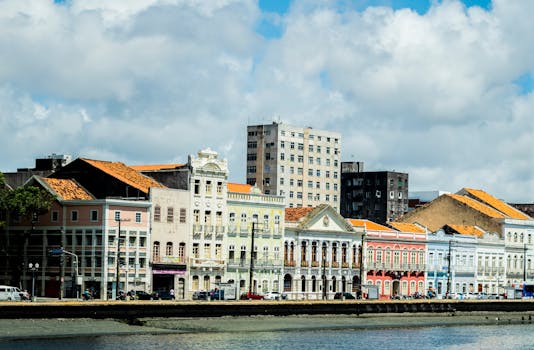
251 156
300 146
196 252
155 251
94 215
318 172
310 160
208 188
310 148
282 144
291 182
318 185
299 194
281 181
267 181
310 172
318 149
310 184
291 170
318 160
335 174
182 215
299 183
292 145
170 214
55 216
138 217
327 186
157 213
291 195
251 168
282 156
196 216
168 249
181 252
327 173
74 215
197 186
219 188
207 250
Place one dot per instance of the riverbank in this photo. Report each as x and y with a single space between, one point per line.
12 329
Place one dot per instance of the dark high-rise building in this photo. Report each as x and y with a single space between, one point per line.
379 196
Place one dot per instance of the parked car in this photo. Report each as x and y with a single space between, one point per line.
275 296
142 295
202 295
162 295
340 295
9 293
251 296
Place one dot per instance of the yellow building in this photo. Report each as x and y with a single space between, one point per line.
251 211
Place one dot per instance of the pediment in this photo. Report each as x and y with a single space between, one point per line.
326 219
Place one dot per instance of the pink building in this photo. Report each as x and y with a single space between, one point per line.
394 258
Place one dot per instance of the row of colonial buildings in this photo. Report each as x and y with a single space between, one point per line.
185 227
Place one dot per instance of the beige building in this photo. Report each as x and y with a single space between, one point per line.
299 163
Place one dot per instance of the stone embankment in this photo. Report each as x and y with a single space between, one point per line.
132 310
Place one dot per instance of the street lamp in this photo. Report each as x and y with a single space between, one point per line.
33 268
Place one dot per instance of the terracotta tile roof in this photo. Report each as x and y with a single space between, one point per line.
125 174
68 189
155 167
240 188
296 214
495 203
369 225
477 206
407 227
467 230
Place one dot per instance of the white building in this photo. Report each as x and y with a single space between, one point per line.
301 164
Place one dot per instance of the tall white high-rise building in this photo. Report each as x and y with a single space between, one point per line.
300 163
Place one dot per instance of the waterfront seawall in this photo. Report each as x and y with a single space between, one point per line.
131 310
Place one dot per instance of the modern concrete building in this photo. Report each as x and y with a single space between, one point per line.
299 163
379 196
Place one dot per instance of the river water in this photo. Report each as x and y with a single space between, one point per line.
504 336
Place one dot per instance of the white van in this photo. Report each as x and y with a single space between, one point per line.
9 293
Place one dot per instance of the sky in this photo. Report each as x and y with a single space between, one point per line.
441 90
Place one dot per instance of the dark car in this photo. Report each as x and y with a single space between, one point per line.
200 295
142 295
217 294
162 295
344 296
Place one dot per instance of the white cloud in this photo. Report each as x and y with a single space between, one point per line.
153 81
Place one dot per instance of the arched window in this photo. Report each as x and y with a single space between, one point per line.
231 252
168 249
303 251
344 254
303 283
265 253
195 285
155 251
232 218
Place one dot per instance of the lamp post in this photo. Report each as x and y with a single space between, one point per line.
33 268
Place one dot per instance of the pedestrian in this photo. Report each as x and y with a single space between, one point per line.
171 292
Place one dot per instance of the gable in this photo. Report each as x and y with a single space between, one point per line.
325 218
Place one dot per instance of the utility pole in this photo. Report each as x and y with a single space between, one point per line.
361 265
251 270
324 273
449 258
524 263
117 268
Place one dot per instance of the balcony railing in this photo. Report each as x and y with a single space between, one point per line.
289 263
206 262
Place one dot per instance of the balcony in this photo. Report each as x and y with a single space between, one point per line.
335 264
315 264
345 265
304 264
289 263
206 263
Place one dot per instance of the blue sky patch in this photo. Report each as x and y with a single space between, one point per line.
525 83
